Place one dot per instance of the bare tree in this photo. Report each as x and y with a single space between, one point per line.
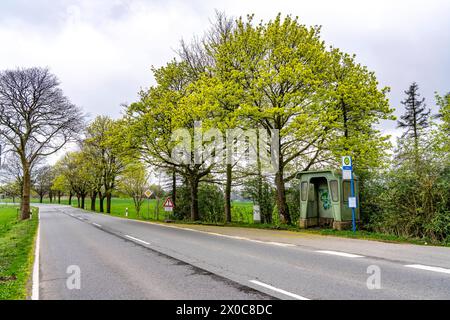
36 119
11 169
43 182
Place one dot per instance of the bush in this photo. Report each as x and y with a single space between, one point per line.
210 203
240 213
265 199
293 200
410 205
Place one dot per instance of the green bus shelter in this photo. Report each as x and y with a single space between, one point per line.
324 199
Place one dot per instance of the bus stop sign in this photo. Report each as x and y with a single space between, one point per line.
347 163
347 174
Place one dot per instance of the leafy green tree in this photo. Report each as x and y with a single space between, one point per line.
174 103
105 151
281 65
60 186
95 169
11 190
322 102
75 170
133 182
359 105
442 132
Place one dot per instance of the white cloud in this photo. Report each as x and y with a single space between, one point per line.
102 50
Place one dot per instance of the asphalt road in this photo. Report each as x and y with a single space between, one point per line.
125 259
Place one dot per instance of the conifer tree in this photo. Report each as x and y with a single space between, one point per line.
416 117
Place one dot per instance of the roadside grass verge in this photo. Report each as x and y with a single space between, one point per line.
359 234
17 240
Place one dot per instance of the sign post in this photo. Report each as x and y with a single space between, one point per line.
347 174
256 214
148 194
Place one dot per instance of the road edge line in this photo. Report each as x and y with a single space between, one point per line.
35 276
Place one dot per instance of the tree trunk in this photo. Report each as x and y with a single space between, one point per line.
268 209
93 200
41 198
174 188
26 191
83 197
194 200
78 201
228 193
283 209
70 198
59 197
259 179
101 199
137 205
108 203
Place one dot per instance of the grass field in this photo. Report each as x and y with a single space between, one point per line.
242 212
16 253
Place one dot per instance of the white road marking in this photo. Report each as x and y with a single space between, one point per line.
342 254
428 268
72 215
280 244
96 224
287 293
35 285
137 240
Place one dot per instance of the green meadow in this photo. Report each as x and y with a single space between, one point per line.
16 253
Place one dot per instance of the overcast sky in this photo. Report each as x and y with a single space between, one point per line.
102 50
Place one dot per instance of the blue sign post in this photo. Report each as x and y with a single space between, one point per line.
347 174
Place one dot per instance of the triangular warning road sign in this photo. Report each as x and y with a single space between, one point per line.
168 203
